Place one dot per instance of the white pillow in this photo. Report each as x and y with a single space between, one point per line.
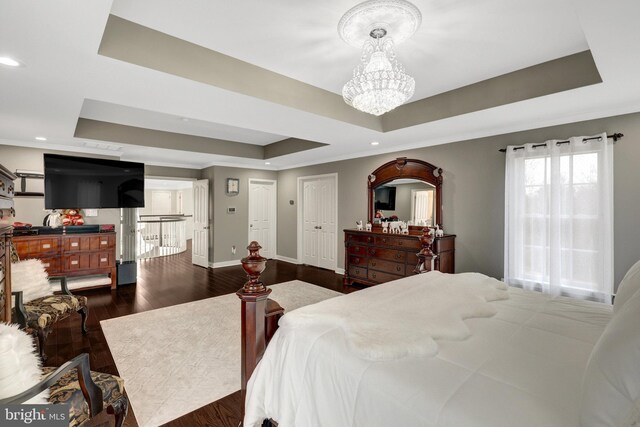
30 277
627 287
611 385
19 364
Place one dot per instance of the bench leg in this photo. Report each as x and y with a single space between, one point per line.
83 314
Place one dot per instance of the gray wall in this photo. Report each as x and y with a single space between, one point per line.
31 209
230 229
473 192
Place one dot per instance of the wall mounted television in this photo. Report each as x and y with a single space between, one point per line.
82 182
385 198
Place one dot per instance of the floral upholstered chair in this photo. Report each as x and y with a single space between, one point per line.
86 392
38 315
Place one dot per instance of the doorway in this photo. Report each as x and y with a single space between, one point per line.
317 220
263 199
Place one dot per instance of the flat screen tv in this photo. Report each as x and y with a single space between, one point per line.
80 182
385 198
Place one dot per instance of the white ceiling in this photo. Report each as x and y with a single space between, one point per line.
459 42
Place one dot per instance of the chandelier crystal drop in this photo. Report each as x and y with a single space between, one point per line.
379 83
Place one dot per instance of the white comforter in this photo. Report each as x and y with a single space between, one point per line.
522 367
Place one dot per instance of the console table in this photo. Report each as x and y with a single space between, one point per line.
373 257
72 255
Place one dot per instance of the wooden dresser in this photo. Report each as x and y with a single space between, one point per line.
373 257
72 254
7 213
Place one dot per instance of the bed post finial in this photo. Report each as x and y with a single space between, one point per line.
254 264
426 255
254 296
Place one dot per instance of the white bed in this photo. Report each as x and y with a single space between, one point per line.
524 367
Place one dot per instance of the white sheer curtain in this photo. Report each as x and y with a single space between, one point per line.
559 217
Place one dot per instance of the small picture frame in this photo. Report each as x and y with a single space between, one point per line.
233 186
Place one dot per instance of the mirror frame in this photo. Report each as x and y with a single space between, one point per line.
406 168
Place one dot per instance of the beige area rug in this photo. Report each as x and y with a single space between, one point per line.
177 359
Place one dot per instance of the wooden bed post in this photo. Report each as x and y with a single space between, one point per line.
254 303
260 315
426 255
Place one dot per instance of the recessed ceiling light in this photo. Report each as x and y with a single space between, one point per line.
9 62
375 143
41 138
267 163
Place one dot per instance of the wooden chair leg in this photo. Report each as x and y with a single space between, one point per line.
119 410
42 339
83 314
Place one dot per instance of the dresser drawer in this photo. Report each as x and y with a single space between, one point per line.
102 260
357 260
360 238
77 262
388 254
52 265
37 247
397 242
386 266
359 272
77 243
357 250
380 277
7 212
103 242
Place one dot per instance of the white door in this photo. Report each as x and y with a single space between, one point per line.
310 222
263 215
200 243
319 222
327 224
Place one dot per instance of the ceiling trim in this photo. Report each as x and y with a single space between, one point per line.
115 132
130 42
559 75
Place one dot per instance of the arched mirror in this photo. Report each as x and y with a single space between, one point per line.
406 190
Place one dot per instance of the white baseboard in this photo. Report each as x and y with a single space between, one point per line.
286 259
339 270
224 263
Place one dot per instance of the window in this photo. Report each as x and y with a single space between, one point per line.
558 218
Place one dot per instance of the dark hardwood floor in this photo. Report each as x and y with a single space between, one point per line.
164 282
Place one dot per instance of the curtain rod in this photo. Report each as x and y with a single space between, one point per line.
615 136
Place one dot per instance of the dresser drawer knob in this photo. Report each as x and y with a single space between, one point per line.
356 260
369 239
10 189
12 212
398 256
373 263
357 271
373 275
398 268
1 185
384 240
400 242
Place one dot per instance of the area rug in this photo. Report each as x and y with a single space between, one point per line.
177 359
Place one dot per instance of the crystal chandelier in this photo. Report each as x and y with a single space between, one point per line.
379 82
